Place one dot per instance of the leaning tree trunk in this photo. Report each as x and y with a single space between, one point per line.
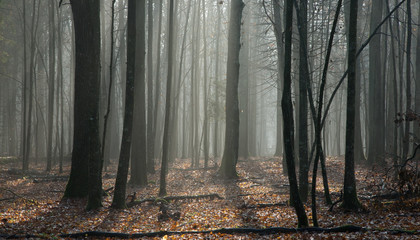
122 173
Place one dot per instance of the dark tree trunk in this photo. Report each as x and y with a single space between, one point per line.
303 103
166 130
350 200
121 181
406 139
376 111
51 83
230 154
288 122
139 143
86 144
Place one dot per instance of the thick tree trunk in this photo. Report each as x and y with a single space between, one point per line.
86 146
139 143
376 111
230 154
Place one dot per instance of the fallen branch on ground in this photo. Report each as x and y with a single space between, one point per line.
174 198
15 195
266 231
264 205
195 169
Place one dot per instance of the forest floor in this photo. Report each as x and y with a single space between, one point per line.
31 204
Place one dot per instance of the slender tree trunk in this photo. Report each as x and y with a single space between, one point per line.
417 83
121 181
158 80
51 83
166 130
110 86
205 87
150 120
288 122
303 104
350 200
406 140
280 68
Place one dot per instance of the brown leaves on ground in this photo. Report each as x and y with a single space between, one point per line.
32 204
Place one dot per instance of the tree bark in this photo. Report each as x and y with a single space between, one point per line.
139 143
350 200
86 146
122 173
230 155
166 130
288 122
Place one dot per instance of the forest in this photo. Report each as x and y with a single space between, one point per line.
210 119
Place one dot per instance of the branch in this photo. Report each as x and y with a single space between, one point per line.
324 117
173 198
266 231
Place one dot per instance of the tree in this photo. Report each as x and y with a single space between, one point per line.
150 104
350 200
166 130
280 65
86 162
303 102
406 138
51 82
288 123
230 154
139 148
376 111
121 182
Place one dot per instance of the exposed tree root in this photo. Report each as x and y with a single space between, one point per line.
266 231
174 198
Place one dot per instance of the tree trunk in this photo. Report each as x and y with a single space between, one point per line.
376 111
139 143
150 120
230 155
350 200
122 173
303 103
51 83
280 68
288 122
166 130
86 173
406 139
